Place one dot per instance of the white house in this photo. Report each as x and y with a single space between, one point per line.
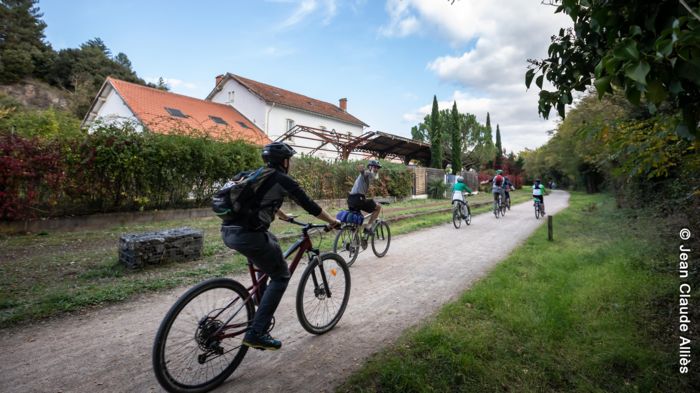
276 110
161 111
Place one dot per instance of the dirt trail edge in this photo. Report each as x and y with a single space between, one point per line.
109 350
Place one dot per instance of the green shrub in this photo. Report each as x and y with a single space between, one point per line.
436 189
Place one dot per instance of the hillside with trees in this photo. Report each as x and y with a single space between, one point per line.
79 72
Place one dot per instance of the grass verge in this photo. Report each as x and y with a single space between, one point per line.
585 313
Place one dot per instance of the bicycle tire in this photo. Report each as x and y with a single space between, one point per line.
496 209
456 219
381 231
537 211
468 220
328 264
347 244
508 203
189 344
503 210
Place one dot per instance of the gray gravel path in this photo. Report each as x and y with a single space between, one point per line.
109 350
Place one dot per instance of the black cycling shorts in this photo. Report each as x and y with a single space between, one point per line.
359 202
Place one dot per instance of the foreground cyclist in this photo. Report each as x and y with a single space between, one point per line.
538 192
357 199
261 247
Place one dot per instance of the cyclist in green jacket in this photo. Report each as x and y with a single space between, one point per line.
458 193
538 192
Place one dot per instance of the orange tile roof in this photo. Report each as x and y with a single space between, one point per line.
148 105
297 101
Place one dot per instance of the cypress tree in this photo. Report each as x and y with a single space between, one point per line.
435 136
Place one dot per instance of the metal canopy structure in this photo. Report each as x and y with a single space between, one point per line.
387 145
378 143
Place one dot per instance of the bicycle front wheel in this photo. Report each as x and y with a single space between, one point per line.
347 244
323 293
537 211
468 220
190 354
381 238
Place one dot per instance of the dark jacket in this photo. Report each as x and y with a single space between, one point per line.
270 197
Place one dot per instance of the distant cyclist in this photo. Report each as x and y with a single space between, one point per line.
357 200
498 188
507 187
538 192
459 189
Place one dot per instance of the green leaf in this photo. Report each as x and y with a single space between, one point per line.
664 47
599 69
633 94
635 30
638 72
627 50
528 77
656 92
602 85
539 81
675 87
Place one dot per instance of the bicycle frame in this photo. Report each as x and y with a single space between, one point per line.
301 246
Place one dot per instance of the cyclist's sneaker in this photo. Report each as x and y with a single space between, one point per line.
261 341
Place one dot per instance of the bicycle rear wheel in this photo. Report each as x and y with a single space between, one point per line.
456 218
537 211
503 209
381 238
323 293
496 209
468 220
347 244
189 356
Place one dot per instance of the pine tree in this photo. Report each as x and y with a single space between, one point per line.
435 133
23 51
498 162
456 140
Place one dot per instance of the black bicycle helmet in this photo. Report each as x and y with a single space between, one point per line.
374 163
276 152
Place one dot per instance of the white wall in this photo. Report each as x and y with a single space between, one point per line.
273 119
115 111
250 105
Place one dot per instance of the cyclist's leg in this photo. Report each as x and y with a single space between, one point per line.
370 206
264 250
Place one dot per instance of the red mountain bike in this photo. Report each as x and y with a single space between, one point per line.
199 342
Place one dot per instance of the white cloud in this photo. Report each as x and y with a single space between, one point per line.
308 7
499 37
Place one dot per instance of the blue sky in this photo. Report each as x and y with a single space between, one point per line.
387 57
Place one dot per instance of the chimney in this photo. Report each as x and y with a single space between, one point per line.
219 78
343 104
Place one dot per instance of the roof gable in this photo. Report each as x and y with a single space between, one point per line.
165 112
272 94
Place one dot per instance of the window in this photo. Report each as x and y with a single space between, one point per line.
290 124
218 120
175 112
242 124
231 96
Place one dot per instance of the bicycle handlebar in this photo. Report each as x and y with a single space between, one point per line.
307 226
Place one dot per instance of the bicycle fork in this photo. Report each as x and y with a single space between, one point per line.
325 291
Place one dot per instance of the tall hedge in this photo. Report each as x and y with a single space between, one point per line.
331 180
116 168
